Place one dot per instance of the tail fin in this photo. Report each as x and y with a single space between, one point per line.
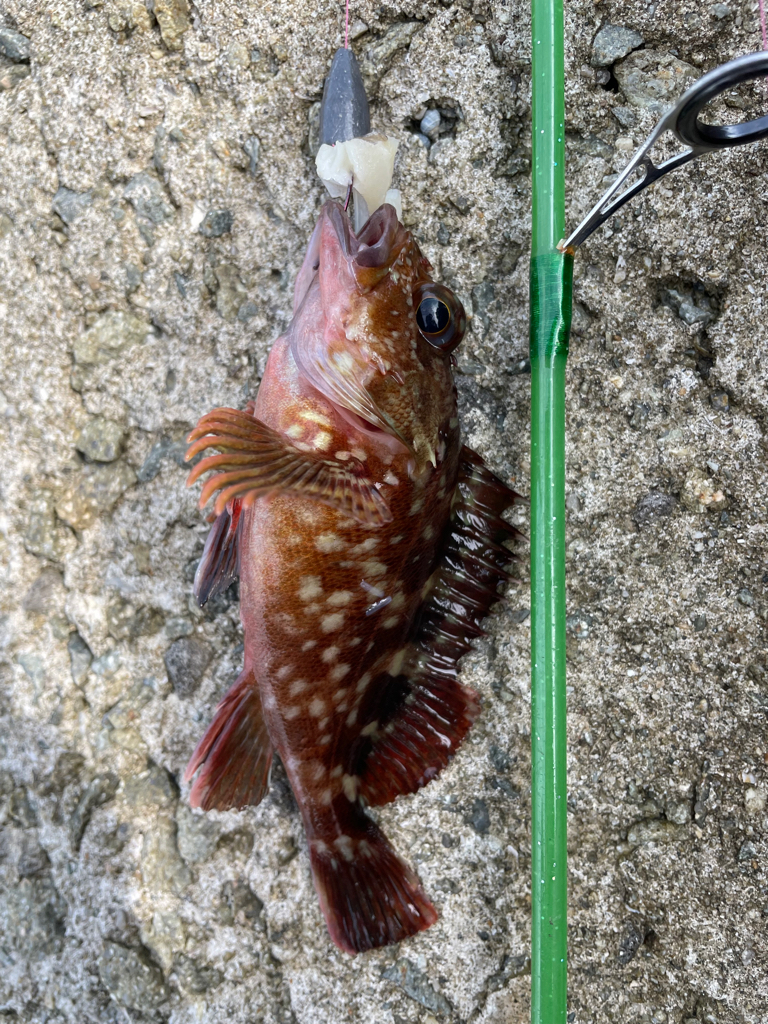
235 752
368 895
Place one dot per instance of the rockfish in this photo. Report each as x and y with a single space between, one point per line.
369 545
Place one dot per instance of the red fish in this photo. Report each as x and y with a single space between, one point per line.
369 545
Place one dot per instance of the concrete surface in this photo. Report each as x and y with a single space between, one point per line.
156 196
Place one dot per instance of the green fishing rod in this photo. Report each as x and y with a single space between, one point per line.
550 298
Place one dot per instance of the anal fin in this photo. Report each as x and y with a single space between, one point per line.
256 461
235 753
432 711
220 562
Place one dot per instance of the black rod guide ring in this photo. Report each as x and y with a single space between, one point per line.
693 132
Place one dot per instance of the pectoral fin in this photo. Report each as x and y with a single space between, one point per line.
256 461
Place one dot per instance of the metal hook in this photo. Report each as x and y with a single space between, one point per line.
683 121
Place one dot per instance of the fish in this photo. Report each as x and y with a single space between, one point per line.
370 544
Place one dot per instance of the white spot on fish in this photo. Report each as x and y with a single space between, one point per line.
397 539
290 713
297 686
340 598
391 621
398 600
338 672
326 797
360 454
308 645
371 728
328 542
374 568
315 770
343 456
322 440
338 771
396 664
354 641
428 533
316 707
309 587
352 717
350 784
325 740
283 671
329 654
295 430
391 479
329 623
416 506
341 692
344 844
362 682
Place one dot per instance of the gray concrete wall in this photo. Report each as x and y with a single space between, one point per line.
156 195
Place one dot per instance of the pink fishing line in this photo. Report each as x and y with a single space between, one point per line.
763 27
346 24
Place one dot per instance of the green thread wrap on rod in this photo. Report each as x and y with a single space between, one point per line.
551 290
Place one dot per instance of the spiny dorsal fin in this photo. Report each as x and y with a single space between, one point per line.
433 713
256 461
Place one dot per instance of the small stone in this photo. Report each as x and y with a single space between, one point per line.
720 401
194 976
161 866
653 80
96 489
430 124
11 76
46 595
148 198
631 941
747 851
478 818
755 800
14 45
656 831
80 658
252 149
106 665
101 440
247 312
197 835
173 20
69 205
32 858
186 661
44 536
6 225
700 623
152 788
217 223
463 204
612 43
132 978
230 293
378 58
700 495
443 235
415 984
238 55
99 791
113 334
720 11
745 597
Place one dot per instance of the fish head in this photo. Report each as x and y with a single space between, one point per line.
374 333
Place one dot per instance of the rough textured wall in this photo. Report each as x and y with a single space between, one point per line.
156 195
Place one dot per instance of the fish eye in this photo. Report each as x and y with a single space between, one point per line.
440 316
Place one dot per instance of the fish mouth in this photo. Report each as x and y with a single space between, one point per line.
373 250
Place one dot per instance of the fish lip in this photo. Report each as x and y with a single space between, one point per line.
373 247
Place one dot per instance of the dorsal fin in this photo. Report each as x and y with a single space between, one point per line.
433 712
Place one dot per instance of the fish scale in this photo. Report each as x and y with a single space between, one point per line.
370 546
